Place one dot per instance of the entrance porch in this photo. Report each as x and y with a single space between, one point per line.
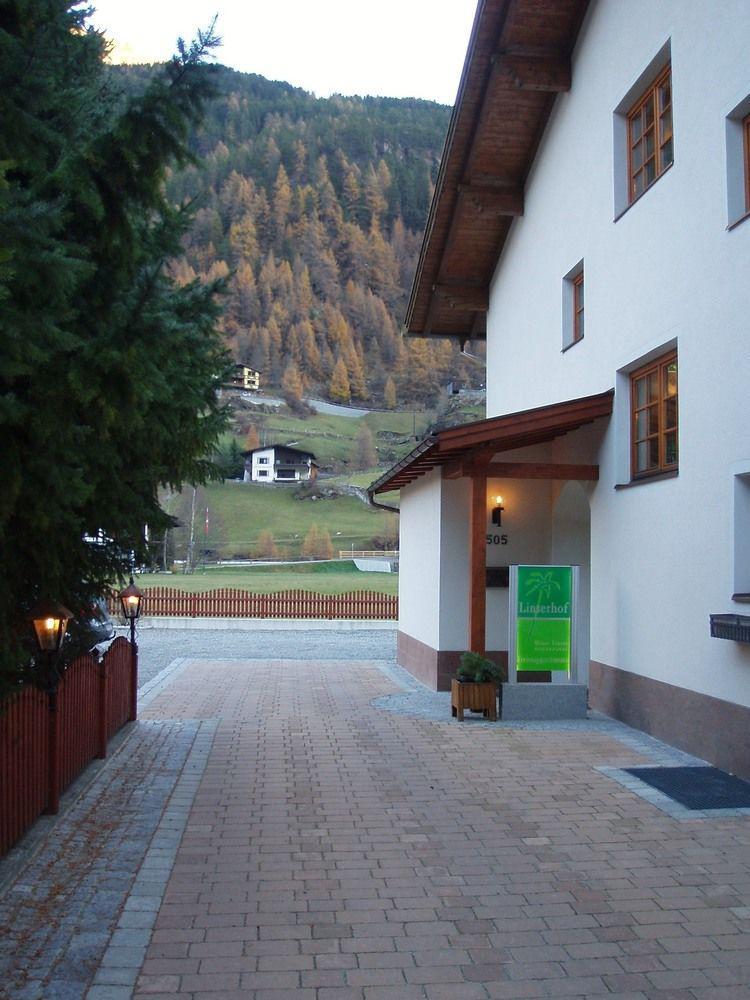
476 499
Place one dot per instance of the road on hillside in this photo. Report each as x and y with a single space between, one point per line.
319 405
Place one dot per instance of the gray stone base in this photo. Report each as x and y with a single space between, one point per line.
527 702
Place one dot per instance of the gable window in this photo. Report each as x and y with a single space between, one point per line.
650 140
653 395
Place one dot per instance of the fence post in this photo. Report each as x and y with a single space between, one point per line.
53 766
102 720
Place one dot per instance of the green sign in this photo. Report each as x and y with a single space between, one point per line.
544 614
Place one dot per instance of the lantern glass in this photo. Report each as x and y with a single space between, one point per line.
130 599
50 622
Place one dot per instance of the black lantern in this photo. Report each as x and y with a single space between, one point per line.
131 598
50 621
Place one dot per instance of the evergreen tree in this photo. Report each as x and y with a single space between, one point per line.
389 393
109 366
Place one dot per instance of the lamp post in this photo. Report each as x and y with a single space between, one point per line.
130 599
50 622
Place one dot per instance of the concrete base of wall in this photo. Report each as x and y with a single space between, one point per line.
436 667
528 702
715 730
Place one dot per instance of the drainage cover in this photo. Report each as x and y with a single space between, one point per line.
696 787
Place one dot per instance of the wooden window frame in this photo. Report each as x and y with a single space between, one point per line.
746 158
578 308
661 137
658 366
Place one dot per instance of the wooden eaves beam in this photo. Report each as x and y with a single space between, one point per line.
469 298
539 70
506 199
521 470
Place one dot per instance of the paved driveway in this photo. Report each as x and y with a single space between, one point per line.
159 646
275 829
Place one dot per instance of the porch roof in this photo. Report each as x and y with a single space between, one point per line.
503 433
518 61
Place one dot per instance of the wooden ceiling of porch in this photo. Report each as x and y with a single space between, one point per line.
484 438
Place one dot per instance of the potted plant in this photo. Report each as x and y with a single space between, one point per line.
475 686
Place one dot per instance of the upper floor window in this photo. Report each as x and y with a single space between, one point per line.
262 461
737 126
650 141
578 307
653 395
572 306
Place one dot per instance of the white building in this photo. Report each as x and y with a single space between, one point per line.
592 219
279 464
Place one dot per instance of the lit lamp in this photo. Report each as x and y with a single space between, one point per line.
130 599
497 512
50 621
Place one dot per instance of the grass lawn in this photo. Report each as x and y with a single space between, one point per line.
319 578
239 512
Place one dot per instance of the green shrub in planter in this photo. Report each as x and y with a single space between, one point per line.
477 668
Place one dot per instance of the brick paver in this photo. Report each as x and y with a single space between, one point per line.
338 851
322 848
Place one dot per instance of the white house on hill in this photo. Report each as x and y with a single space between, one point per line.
592 220
279 464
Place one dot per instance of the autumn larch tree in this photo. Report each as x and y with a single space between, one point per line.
365 455
338 387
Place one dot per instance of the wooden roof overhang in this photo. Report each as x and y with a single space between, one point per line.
519 59
486 437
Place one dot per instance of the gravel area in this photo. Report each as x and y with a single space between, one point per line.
158 647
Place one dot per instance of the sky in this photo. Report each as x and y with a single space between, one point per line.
392 48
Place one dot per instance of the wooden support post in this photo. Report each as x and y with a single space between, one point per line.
477 563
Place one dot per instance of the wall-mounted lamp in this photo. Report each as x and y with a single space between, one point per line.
497 512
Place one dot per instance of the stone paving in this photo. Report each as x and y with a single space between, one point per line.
321 830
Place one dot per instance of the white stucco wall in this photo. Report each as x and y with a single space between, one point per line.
667 271
263 461
419 560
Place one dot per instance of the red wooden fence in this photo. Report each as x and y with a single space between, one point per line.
46 740
231 603
24 763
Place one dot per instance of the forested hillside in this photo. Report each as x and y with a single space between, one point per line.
313 210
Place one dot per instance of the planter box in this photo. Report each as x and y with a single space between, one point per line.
478 697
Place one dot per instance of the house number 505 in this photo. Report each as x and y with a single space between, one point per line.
497 539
